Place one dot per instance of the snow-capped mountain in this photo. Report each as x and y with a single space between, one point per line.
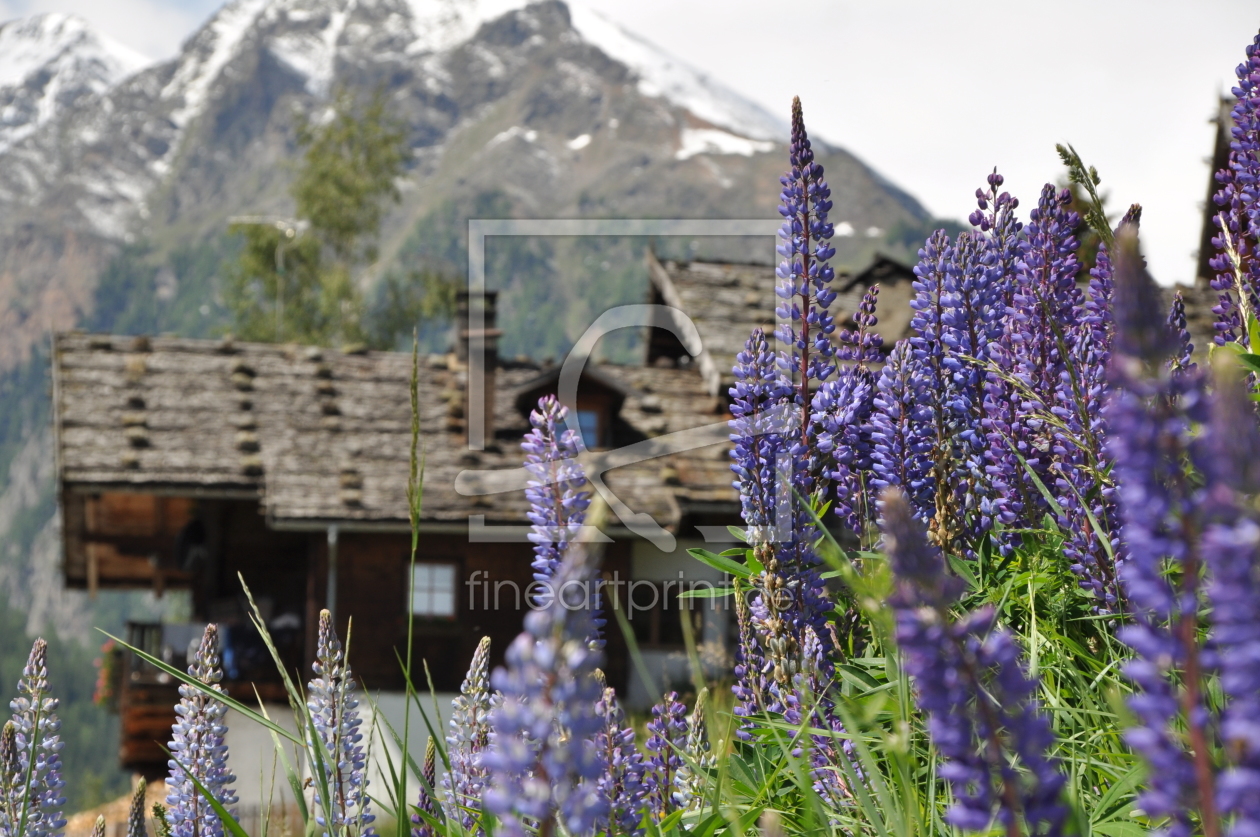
49 64
552 107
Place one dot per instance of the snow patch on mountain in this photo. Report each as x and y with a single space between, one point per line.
664 75
445 24
211 49
48 62
442 25
313 54
695 141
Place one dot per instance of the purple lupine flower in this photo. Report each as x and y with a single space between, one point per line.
557 501
841 431
771 481
960 319
1231 547
621 783
32 761
1237 269
541 762
426 803
971 684
1080 471
805 278
900 455
1150 414
1177 323
861 345
1036 352
198 749
339 751
749 663
667 740
760 453
467 740
135 814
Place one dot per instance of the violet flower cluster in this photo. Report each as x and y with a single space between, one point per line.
542 767
1187 467
198 750
666 743
621 782
30 760
557 501
1237 269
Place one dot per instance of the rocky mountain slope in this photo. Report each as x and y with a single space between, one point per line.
116 180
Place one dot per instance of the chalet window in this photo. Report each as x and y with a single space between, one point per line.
433 590
589 426
655 614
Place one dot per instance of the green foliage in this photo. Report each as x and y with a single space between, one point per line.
296 279
348 169
144 290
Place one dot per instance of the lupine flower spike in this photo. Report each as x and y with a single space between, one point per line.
667 740
35 798
622 781
466 741
12 796
542 768
1237 269
557 503
98 828
691 779
428 770
135 816
339 751
1152 414
197 748
971 685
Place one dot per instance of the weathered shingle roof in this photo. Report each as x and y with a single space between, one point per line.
727 301
323 436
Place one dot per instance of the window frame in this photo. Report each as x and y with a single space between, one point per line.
432 589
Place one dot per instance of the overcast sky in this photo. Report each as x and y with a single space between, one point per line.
934 93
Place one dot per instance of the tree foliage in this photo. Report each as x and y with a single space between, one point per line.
298 279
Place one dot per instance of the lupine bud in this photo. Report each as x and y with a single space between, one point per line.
466 741
335 717
428 772
135 815
197 748
98 828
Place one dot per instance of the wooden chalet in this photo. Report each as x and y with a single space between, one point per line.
184 463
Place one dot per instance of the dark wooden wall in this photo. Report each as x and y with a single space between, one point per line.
373 589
